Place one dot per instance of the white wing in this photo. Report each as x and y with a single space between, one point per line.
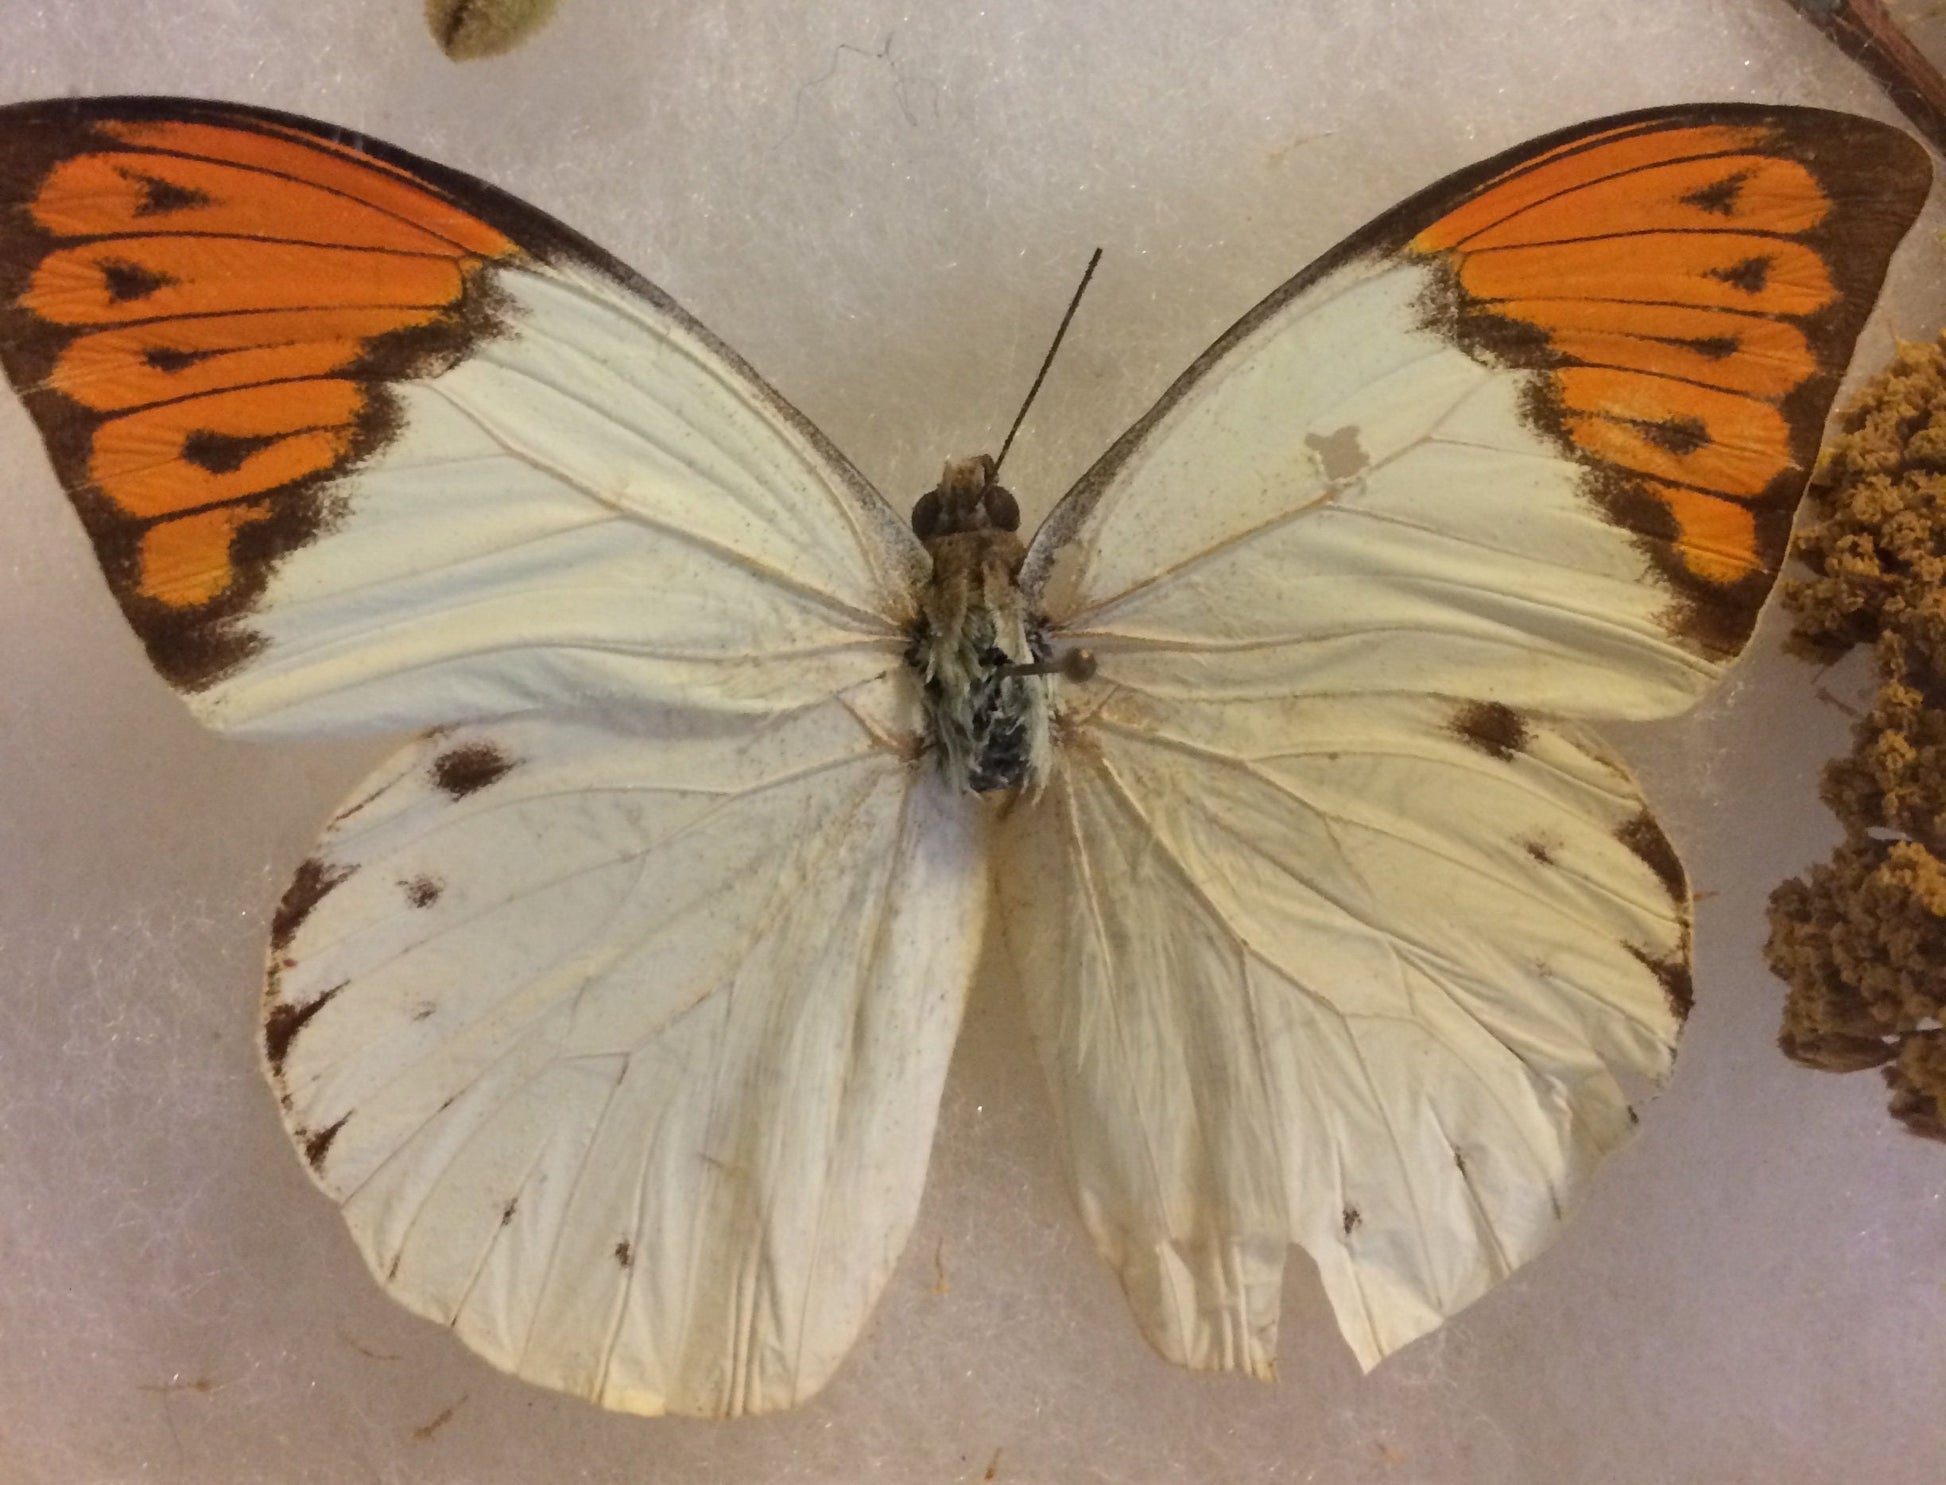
616 1022
620 1043
1348 971
1330 937
591 505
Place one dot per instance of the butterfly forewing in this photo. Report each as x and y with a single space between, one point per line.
364 444
1535 436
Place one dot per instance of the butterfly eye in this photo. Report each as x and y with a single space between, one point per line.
925 516
1003 511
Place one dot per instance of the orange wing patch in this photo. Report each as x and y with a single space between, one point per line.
1688 288
1713 270
128 191
223 446
1588 158
118 279
203 308
185 562
274 148
1741 353
1675 430
160 360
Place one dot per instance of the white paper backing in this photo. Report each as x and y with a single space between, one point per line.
884 207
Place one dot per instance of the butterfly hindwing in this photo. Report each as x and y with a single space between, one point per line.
620 1046
1353 938
335 417
1349 971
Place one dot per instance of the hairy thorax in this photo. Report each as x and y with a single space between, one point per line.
978 653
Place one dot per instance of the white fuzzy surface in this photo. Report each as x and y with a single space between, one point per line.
884 206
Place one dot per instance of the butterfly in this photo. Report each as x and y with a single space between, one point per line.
614 1009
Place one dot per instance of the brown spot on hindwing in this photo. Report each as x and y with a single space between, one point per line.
624 1254
1678 986
312 883
1646 840
423 891
469 768
282 1024
1496 730
318 1144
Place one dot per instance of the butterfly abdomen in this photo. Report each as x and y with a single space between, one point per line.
986 726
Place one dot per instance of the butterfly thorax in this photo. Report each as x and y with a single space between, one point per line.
986 721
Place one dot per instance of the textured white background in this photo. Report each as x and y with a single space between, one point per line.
884 206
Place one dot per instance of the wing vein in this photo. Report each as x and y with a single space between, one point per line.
722 551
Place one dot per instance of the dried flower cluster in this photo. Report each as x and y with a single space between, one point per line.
1861 940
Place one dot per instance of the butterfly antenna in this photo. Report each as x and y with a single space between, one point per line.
1047 361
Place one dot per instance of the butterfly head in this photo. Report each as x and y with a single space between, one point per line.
965 500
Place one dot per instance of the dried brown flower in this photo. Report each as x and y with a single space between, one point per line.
1861 940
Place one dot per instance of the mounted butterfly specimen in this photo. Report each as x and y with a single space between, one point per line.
614 1009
